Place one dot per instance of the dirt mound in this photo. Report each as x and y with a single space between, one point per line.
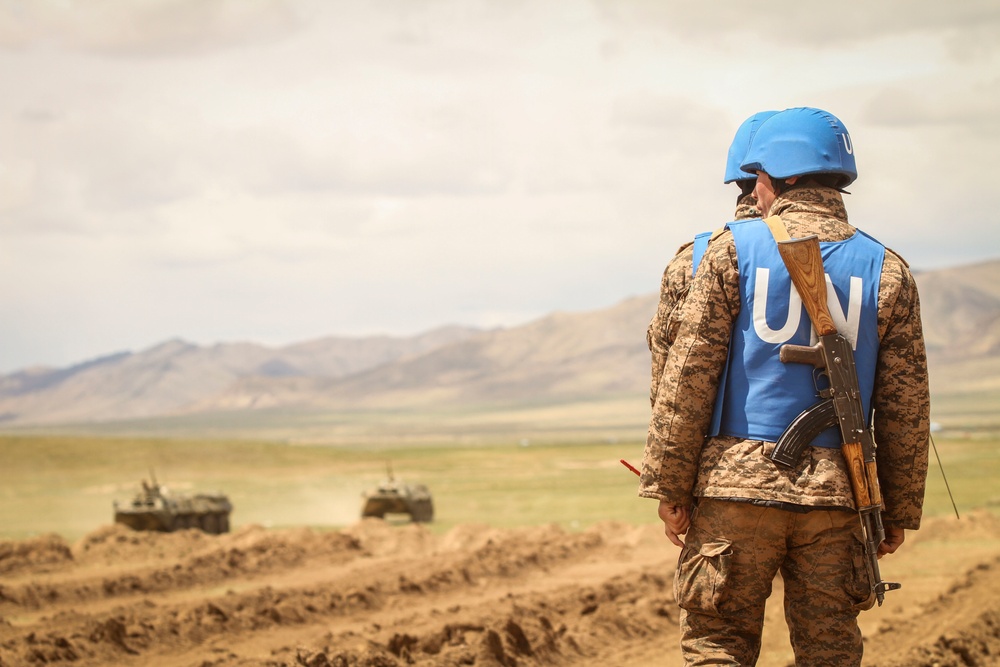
563 626
379 594
37 554
380 537
961 628
469 536
263 548
978 524
117 562
116 543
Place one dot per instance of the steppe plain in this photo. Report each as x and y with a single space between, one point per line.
540 554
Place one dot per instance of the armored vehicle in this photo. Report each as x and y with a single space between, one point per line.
394 497
155 509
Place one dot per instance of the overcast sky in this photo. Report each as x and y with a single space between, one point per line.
277 171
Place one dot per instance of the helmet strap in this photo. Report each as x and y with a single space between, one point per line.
781 186
822 182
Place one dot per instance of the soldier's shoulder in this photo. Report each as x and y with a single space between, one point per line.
687 248
896 274
893 256
720 254
682 259
721 240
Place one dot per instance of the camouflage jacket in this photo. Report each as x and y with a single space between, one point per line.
673 288
680 463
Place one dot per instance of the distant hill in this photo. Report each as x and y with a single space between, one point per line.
960 309
559 357
563 357
175 376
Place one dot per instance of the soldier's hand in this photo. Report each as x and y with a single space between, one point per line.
676 521
894 536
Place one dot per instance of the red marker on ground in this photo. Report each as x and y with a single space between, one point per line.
630 467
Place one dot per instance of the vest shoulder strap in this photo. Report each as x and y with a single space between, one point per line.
701 242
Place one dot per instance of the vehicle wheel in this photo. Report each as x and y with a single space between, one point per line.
210 524
423 511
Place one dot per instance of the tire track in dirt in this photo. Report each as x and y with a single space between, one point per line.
252 553
383 595
961 628
446 575
568 625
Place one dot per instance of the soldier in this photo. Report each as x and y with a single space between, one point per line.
677 276
724 399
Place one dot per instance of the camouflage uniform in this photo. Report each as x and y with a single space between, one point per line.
736 548
673 288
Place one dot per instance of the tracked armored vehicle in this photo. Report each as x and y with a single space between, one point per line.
392 496
155 509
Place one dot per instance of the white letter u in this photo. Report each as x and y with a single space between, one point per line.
848 144
760 325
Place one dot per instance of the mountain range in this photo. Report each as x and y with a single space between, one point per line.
562 357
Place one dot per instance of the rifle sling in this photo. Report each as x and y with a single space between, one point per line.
778 229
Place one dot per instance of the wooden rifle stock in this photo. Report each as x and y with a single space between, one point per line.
805 264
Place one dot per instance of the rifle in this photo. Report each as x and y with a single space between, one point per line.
833 355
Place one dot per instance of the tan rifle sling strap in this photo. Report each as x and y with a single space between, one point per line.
777 227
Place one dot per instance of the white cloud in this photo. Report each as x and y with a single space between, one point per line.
818 27
275 171
150 28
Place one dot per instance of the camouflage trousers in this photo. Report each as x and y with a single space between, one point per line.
732 553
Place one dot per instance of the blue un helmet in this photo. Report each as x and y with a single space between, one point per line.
741 142
800 141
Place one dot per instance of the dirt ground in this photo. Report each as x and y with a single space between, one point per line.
379 594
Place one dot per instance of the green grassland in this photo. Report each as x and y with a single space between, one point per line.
66 484
584 420
968 412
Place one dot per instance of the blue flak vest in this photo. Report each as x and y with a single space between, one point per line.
758 395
